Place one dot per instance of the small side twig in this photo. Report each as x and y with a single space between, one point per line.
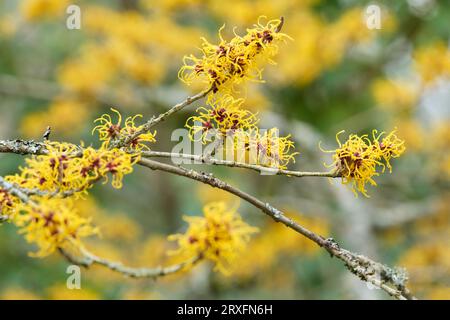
229 163
88 259
163 116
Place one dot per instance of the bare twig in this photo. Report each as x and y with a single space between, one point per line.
163 116
228 163
88 259
22 147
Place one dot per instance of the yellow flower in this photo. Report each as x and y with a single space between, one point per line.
52 224
273 150
65 169
261 147
358 159
109 131
219 236
388 147
232 62
7 203
95 164
55 171
220 119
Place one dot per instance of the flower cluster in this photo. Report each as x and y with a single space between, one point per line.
54 171
261 147
232 62
65 168
358 159
109 131
52 224
219 236
222 119
97 164
223 66
51 182
271 149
